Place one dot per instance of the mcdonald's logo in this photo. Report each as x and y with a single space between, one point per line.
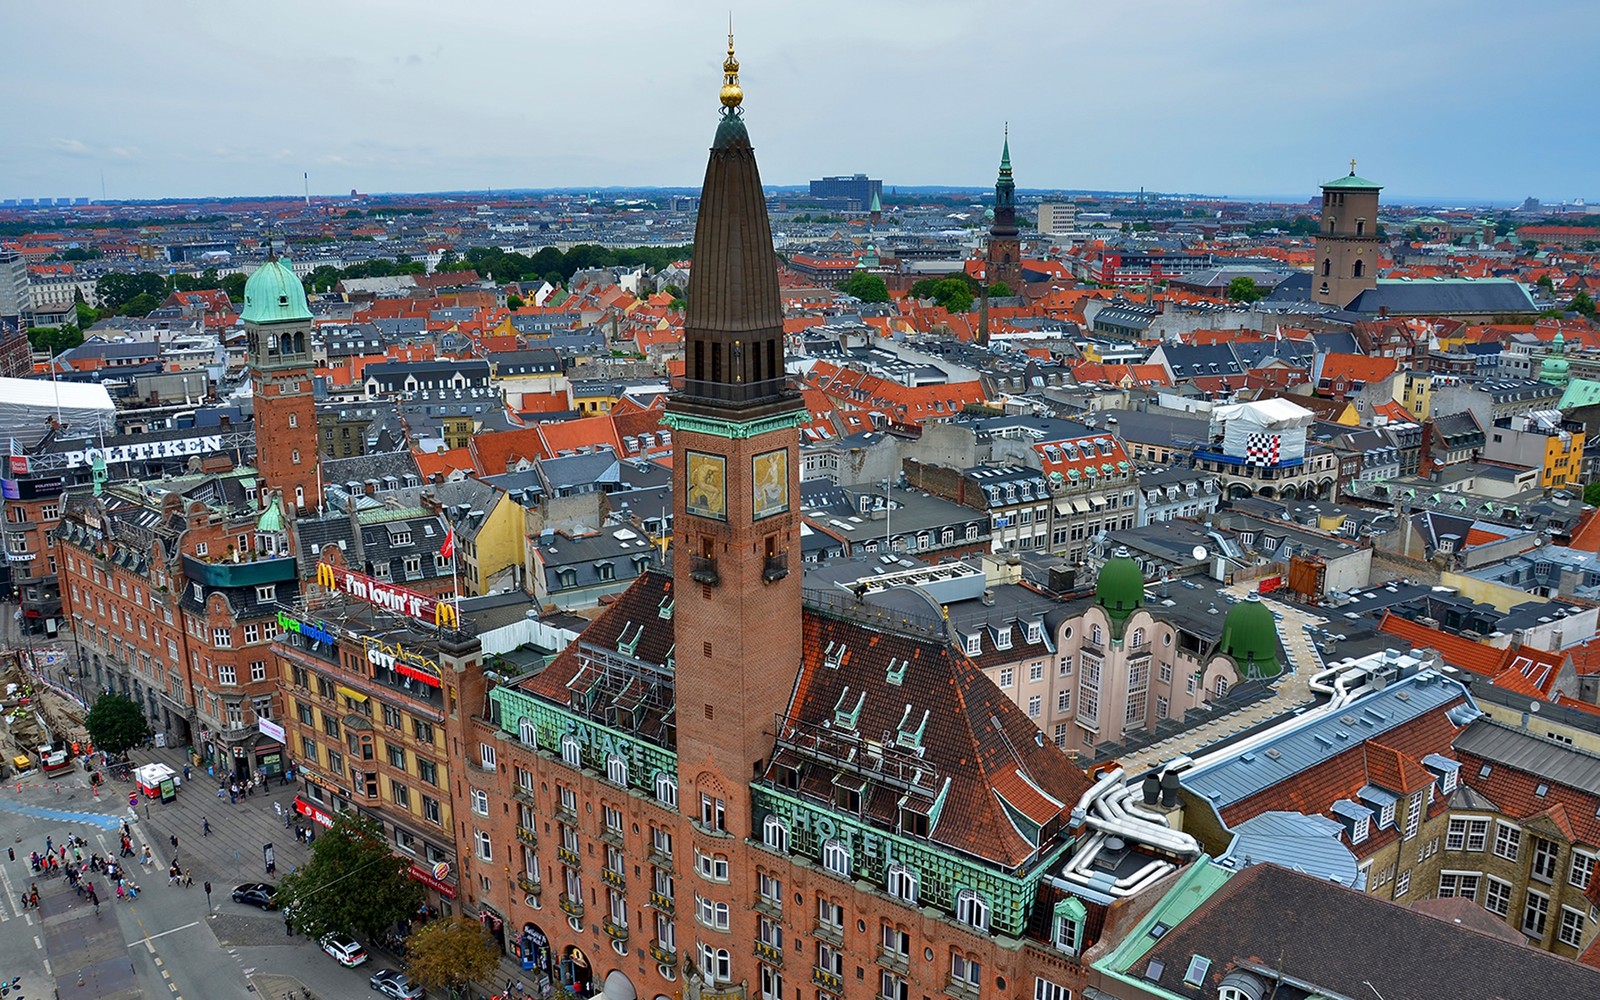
327 577
445 615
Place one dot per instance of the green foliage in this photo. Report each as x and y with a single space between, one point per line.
142 304
233 284
1583 305
514 302
55 339
1300 225
87 316
1243 289
1591 494
207 279
866 287
673 290
353 882
1000 290
81 253
677 305
953 291
116 290
116 724
1545 283
449 954
354 213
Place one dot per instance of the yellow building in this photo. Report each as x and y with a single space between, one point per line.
1416 393
488 528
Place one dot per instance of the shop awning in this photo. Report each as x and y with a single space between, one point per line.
351 693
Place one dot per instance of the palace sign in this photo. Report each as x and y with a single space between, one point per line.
401 600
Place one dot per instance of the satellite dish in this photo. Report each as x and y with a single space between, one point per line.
1199 553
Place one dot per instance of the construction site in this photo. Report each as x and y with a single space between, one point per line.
44 723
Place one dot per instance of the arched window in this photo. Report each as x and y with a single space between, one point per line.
527 732
775 833
902 883
617 769
1136 639
1358 268
972 910
1095 635
1327 266
1361 227
571 752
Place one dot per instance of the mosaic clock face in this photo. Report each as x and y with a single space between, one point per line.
707 485
770 483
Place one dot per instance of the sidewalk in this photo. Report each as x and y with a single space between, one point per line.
233 851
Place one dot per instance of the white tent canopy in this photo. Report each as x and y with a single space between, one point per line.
1277 418
27 405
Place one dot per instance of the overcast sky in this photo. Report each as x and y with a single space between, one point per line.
1463 100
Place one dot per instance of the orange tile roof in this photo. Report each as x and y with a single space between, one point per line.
1477 657
1357 367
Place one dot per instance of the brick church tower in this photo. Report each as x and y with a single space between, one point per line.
736 536
1347 244
1003 260
277 325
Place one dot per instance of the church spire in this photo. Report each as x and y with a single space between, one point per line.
733 324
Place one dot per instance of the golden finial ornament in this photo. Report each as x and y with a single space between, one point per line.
1352 162
732 93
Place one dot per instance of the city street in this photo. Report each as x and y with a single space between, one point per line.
164 944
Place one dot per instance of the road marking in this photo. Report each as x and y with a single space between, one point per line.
151 937
37 943
47 968
158 961
173 987
100 820
11 896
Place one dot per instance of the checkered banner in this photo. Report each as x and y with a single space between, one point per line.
1262 449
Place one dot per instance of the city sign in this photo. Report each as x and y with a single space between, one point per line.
402 661
388 596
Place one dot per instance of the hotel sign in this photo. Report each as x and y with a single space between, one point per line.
388 596
402 661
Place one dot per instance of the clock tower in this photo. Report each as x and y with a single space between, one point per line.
277 325
736 469
1003 258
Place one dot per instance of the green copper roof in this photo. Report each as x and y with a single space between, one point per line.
877 205
274 295
1354 182
1580 392
1250 636
271 519
1120 588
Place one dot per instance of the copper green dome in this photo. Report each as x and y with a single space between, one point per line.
1120 588
1250 636
271 519
274 295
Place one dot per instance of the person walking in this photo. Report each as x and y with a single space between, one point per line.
188 878
288 926
205 827
174 839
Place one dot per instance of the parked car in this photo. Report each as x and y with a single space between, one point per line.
257 894
346 950
393 983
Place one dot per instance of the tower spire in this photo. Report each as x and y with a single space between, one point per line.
732 93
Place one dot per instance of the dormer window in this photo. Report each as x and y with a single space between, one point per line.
1002 637
1362 828
974 645
1035 632
1066 928
1386 817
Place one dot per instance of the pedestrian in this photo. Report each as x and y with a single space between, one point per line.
147 859
186 772
11 853
188 878
286 817
205 826
49 845
288 926
174 839
233 794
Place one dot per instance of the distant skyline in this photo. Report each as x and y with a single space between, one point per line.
1461 102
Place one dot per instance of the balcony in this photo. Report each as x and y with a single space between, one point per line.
662 956
246 573
894 960
831 933
704 571
827 979
569 857
527 836
769 907
775 568
528 885
613 878
571 907
769 953
661 902
614 930
1143 649
661 859
524 795
959 988
566 815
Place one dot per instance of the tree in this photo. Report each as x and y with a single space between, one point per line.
1583 305
233 284
87 315
866 287
1243 289
449 954
1545 283
514 302
1591 494
955 294
1000 290
116 724
353 882
140 305
117 288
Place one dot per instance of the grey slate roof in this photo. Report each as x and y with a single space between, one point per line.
1229 778
1444 297
1554 762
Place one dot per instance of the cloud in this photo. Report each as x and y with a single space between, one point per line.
72 147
